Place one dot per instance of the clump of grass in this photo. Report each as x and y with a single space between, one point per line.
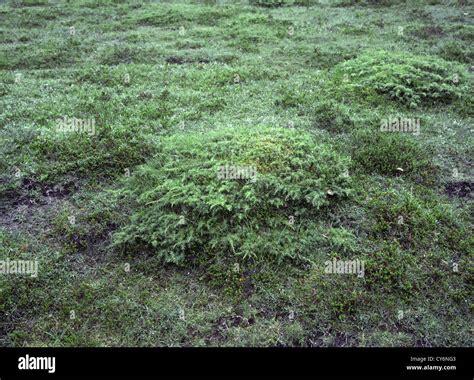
454 50
183 209
89 227
392 154
416 222
290 97
332 116
57 158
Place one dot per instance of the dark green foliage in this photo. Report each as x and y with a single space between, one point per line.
291 98
392 154
87 228
416 222
278 3
333 116
391 270
457 51
347 3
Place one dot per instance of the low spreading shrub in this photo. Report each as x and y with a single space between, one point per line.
408 79
185 204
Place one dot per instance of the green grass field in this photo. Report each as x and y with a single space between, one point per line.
353 121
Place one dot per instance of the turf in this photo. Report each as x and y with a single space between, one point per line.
129 250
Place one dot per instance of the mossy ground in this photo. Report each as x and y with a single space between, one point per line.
146 72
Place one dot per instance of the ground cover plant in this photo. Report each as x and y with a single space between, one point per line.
222 173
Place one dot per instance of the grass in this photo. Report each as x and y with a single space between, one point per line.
297 88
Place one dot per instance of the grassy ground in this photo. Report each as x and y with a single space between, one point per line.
146 72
